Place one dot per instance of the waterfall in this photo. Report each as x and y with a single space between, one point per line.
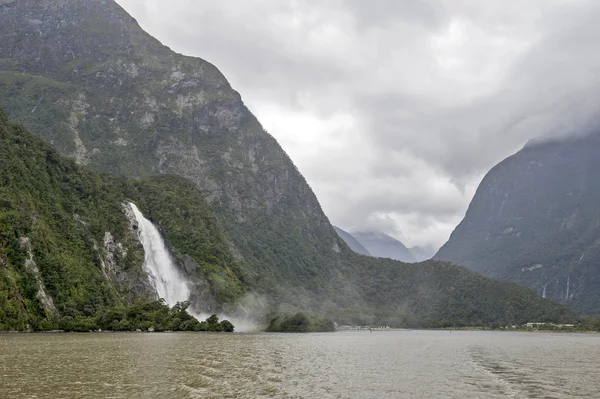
544 293
162 272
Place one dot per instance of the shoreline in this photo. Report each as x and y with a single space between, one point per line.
480 329
115 332
449 330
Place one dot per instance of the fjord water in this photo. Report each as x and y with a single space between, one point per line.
354 364
159 266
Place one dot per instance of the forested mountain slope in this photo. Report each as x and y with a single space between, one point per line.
68 247
535 220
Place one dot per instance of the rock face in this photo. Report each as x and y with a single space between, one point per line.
535 220
351 242
85 77
383 246
30 266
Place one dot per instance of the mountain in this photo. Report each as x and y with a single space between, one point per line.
382 245
91 82
422 253
351 242
535 220
85 77
387 246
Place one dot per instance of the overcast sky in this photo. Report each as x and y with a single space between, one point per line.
395 109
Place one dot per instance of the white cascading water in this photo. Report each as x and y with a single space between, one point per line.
162 272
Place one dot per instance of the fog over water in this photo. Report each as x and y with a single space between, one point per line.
354 364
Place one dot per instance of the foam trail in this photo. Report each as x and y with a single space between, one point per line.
162 272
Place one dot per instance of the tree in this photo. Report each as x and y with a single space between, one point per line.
227 326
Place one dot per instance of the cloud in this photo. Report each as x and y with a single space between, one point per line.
395 109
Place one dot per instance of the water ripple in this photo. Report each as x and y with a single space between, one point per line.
402 364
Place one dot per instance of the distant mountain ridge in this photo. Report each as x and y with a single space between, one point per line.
382 245
535 220
352 242
386 246
423 253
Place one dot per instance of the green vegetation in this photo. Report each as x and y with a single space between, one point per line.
299 322
152 316
589 323
144 316
437 294
66 246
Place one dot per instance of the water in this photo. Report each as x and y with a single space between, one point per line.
395 364
159 266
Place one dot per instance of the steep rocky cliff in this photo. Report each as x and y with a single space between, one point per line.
535 220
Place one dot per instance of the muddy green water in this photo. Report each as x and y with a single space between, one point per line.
398 364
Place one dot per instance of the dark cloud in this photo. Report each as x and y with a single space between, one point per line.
394 109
